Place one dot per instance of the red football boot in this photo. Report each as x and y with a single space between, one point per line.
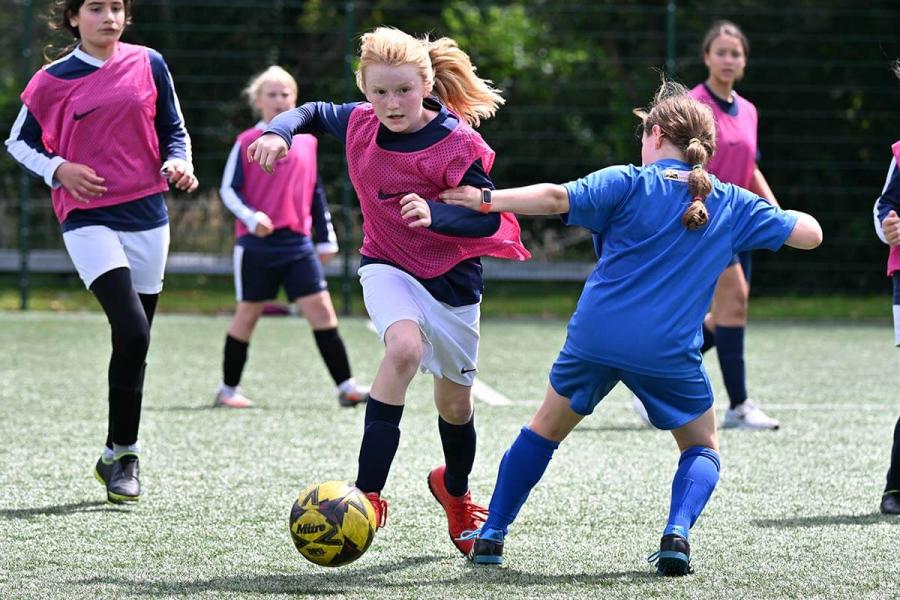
381 508
462 513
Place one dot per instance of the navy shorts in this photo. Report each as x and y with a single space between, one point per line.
746 261
670 402
258 274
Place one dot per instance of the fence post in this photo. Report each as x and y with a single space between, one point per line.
24 182
346 189
671 7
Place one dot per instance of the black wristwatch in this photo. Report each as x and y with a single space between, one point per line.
485 200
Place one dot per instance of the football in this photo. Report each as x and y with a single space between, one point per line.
332 523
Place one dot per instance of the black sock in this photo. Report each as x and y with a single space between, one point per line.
893 474
379 445
458 442
233 363
130 333
333 352
709 339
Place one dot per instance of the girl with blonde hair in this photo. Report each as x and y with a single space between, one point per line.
283 227
420 269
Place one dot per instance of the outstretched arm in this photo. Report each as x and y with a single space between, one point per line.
807 233
539 199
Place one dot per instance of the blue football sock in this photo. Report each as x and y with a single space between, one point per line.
730 345
694 482
520 470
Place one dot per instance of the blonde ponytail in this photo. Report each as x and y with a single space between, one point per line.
457 85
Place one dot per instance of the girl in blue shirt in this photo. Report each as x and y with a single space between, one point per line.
668 230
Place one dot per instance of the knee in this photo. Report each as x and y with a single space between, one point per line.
731 307
134 336
458 411
404 354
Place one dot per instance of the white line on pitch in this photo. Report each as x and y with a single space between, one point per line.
480 390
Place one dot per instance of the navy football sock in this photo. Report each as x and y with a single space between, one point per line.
235 357
522 467
893 474
379 444
709 339
458 442
730 345
693 484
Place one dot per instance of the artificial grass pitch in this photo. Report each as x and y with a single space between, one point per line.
794 516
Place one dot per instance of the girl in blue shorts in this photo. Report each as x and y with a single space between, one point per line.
668 230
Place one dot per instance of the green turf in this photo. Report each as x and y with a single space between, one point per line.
215 295
795 514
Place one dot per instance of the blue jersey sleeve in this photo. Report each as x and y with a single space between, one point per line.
593 199
757 223
464 222
313 117
174 141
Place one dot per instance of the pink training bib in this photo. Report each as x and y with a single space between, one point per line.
381 178
736 143
103 120
286 195
894 255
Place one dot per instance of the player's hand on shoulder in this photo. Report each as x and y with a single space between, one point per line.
266 150
891 228
466 195
415 210
264 225
80 180
180 173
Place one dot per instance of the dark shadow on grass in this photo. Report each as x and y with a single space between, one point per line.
304 583
59 509
826 520
362 582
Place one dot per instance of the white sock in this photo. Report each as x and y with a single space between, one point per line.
345 387
229 391
119 450
108 455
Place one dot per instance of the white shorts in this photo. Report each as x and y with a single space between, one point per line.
96 249
450 333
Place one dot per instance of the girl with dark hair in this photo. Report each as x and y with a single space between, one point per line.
103 128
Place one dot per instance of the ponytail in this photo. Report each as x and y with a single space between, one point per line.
457 85
691 128
699 186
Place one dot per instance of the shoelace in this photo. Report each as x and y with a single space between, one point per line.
467 508
653 558
469 534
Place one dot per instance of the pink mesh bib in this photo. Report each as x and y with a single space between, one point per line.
286 195
105 121
381 177
735 156
894 256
